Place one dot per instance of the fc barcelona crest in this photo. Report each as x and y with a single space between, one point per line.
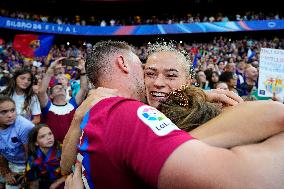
34 44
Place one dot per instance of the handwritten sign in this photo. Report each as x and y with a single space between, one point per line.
271 72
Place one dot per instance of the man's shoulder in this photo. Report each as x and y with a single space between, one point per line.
117 105
112 102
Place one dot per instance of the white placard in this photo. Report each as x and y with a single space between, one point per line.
271 72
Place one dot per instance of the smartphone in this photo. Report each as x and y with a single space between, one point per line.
69 62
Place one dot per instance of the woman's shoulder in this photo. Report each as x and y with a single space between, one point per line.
35 98
2 88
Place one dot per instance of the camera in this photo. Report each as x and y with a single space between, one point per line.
69 62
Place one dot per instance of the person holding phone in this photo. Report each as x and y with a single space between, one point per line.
56 110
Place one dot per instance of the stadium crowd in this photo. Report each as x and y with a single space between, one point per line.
212 58
139 19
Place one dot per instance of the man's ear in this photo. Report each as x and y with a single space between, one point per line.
122 65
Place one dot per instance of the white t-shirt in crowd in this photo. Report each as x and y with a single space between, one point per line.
34 107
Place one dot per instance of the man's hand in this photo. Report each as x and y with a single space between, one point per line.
10 178
226 98
74 181
81 64
55 64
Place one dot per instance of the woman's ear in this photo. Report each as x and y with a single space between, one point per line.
189 80
122 65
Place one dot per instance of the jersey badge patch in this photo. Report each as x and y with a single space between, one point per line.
157 121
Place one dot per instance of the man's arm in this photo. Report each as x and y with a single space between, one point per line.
196 165
69 146
42 94
83 83
246 123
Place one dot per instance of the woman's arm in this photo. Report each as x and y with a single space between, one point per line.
246 123
36 119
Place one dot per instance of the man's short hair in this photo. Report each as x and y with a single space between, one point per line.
51 88
98 60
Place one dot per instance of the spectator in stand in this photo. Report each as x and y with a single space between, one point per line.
250 83
37 83
4 79
222 85
20 89
221 67
231 79
213 79
57 112
43 168
240 72
137 20
202 81
230 67
14 130
62 78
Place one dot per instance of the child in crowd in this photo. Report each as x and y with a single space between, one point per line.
20 89
222 85
14 131
43 167
62 78
231 79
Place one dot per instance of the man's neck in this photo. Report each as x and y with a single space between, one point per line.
60 100
116 90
